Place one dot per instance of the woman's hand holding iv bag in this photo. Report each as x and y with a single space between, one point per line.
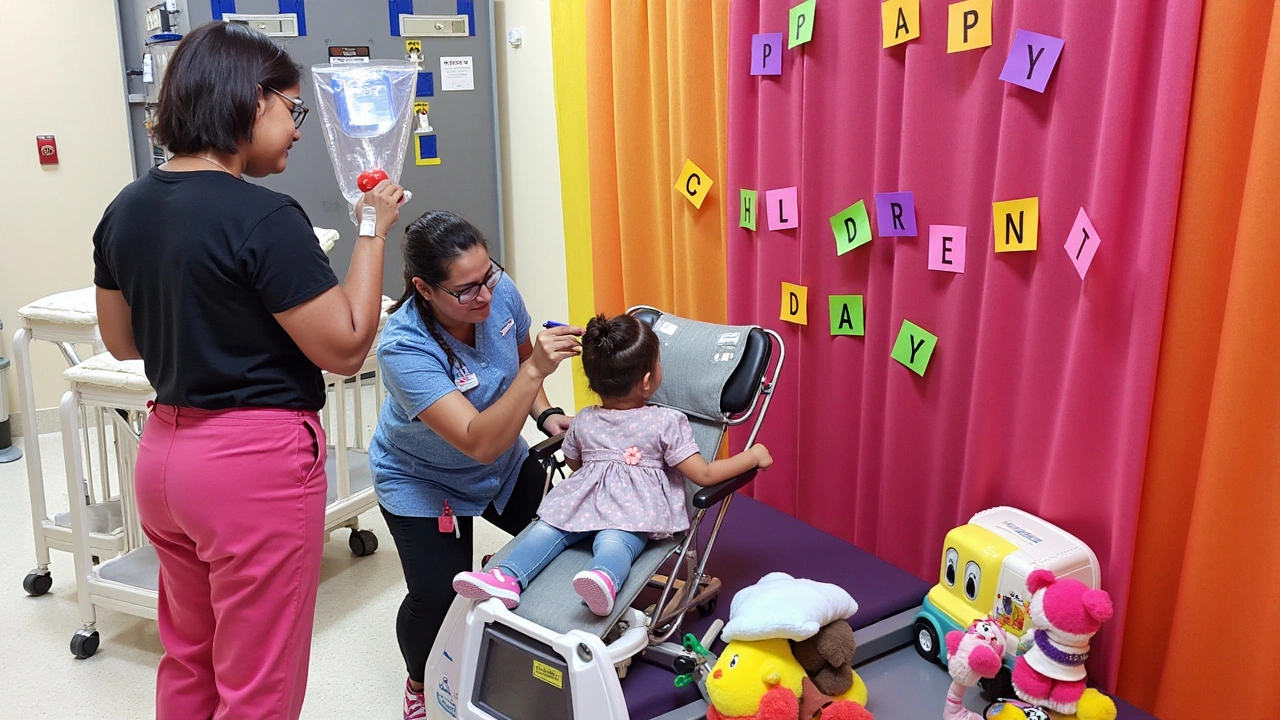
380 208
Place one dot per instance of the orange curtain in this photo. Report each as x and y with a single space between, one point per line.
1202 631
657 91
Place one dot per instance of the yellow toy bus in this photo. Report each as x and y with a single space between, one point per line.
984 572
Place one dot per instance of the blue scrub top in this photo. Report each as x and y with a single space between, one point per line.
414 469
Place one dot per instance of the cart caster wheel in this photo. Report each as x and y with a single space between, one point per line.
926 642
37 583
362 542
84 643
709 606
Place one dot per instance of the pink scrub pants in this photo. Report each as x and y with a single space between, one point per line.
233 502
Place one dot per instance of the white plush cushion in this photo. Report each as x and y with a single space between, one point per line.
74 307
780 606
386 313
328 238
106 371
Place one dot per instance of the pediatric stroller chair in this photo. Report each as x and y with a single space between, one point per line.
551 657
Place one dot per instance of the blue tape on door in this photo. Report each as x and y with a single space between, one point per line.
426 85
396 8
218 7
298 8
468 8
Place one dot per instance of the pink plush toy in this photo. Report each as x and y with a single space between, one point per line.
1064 616
971 655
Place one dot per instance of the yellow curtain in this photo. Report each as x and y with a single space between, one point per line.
657 92
569 53
1202 630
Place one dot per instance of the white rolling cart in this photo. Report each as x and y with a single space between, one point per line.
68 319
129 583
65 319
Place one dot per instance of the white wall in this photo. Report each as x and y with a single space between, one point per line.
77 94
70 86
531 169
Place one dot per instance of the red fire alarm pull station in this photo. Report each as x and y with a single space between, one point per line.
48 148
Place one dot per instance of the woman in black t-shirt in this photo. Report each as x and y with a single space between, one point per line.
221 288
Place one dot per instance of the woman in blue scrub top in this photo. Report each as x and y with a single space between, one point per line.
462 375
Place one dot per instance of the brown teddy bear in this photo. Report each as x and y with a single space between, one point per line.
828 657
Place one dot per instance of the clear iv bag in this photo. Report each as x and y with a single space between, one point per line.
367 114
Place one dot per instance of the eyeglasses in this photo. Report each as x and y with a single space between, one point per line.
298 109
469 293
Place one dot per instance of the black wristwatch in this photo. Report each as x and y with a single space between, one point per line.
542 417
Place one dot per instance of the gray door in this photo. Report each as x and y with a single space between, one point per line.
465 123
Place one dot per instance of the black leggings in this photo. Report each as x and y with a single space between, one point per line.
431 558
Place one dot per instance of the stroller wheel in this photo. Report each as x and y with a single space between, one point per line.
709 606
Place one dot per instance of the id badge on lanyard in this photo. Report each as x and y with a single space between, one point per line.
447 523
467 380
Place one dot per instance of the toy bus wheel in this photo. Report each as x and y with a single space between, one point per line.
1000 686
926 641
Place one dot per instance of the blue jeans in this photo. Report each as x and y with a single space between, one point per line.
614 551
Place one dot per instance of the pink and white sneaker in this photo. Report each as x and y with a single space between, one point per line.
485 585
597 589
415 703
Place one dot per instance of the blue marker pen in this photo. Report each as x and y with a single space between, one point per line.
553 324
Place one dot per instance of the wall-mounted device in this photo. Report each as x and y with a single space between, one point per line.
435 25
160 18
276 25
48 148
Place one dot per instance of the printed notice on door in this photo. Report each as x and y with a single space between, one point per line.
456 74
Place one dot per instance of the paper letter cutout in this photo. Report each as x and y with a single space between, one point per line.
1082 243
901 19
784 211
968 25
747 209
947 247
801 23
1016 224
693 184
847 316
896 214
766 54
795 304
914 347
1032 58
851 227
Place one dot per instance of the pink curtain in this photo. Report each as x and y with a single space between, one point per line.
1039 392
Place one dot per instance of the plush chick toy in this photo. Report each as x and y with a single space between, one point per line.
1092 705
755 680
761 680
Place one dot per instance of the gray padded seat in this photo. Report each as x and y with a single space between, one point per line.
550 600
